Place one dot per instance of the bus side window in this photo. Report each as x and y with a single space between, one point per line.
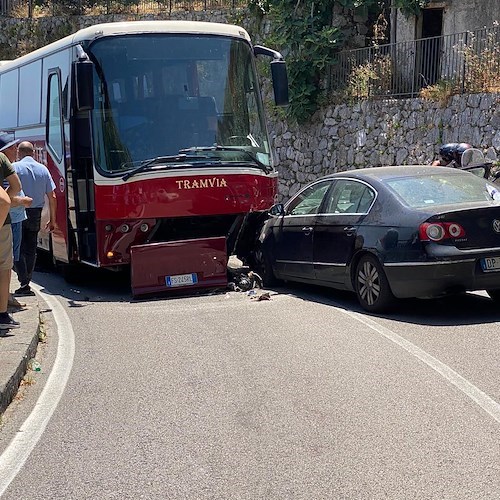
54 119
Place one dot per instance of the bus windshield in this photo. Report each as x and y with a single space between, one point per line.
158 94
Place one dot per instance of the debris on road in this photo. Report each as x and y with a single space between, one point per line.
263 296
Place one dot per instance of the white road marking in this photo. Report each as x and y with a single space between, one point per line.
23 443
488 404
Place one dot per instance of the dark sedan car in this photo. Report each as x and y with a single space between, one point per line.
387 233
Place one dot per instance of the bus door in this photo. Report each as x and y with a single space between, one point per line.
55 146
81 202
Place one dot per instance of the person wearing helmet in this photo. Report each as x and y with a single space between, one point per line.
446 153
451 154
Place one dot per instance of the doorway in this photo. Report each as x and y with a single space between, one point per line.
429 47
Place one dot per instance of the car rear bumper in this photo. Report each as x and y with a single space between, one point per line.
431 279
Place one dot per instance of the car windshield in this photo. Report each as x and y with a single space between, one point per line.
156 95
443 188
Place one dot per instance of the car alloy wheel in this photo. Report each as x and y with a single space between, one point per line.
372 288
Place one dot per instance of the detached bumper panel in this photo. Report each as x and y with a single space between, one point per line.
178 266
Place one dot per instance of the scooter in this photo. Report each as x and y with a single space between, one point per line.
475 161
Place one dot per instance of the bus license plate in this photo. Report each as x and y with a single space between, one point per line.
490 264
184 279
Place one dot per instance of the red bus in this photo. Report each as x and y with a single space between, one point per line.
155 135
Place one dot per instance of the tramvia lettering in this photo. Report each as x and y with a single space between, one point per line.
214 182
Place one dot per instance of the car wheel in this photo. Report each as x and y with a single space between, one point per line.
494 294
371 285
265 269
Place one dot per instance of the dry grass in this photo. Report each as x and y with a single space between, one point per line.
441 91
370 79
481 60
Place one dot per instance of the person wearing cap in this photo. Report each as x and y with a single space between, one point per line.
37 183
17 215
8 198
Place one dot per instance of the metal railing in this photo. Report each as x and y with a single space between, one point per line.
40 8
457 63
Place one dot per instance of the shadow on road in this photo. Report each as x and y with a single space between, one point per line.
90 284
102 285
463 309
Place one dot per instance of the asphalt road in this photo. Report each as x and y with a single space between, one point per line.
300 397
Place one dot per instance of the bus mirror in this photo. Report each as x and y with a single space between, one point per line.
84 76
280 82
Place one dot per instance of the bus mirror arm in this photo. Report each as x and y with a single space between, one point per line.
82 55
260 50
278 72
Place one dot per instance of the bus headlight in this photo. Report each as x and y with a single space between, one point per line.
144 228
124 228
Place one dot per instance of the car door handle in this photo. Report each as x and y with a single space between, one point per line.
349 230
307 229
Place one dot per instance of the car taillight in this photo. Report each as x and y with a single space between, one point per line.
439 231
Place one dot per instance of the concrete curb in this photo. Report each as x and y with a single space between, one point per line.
17 347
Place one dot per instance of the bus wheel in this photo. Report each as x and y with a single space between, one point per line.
71 272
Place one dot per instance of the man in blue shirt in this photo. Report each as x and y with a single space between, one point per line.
37 183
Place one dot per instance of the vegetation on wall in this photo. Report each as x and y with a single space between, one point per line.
480 69
306 33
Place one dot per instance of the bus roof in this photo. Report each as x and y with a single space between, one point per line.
129 27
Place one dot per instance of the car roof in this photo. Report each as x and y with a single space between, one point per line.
382 173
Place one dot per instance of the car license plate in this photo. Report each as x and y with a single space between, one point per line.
184 279
490 264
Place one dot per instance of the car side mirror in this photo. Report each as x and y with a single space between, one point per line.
277 210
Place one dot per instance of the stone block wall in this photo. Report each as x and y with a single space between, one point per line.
383 132
20 36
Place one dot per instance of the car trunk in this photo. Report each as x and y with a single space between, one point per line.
481 225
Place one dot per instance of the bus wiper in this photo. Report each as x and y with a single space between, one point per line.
145 164
266 168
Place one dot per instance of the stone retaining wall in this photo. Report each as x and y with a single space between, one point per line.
385 132
18 37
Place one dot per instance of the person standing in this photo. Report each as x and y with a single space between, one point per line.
17 216
8 174
37 183
17 213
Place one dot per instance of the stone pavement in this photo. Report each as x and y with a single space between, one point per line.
18 346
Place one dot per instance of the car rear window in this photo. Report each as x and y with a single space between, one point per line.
443 189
